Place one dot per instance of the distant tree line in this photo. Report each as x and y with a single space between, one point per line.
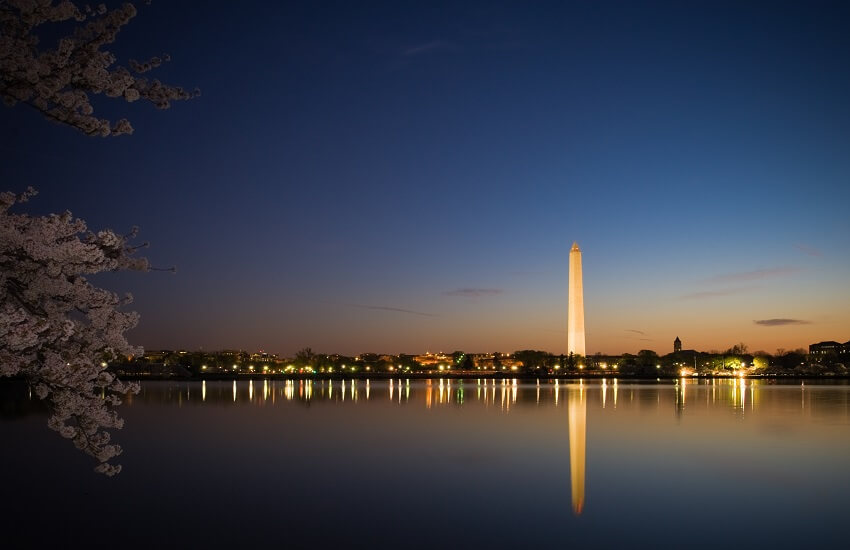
645 363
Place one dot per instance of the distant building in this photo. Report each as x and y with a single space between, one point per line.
829 347
677 345
495 361
263 357
434 359
156 356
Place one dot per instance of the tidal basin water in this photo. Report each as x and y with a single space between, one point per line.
443 463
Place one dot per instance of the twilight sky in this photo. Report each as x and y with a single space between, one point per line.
392 177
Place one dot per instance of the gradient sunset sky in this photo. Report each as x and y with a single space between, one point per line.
392 177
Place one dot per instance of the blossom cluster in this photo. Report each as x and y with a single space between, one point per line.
60 331
59 81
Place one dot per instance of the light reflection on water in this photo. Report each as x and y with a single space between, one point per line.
681 397
577 416
532 460
739 394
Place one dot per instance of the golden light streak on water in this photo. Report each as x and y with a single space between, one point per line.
504 394
615 393
604 391
577 416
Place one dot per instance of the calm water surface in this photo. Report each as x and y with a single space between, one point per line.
443 463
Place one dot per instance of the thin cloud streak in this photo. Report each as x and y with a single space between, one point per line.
756 275
394 309
425 48
808 250
780 322
716 293
635 331
474 292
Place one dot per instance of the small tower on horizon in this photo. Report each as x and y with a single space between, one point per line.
677 345
575 305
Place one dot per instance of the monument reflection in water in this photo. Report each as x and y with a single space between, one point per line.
507 393
502 463
739 394
577 411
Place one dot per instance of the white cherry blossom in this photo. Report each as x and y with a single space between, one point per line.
57 329
59 81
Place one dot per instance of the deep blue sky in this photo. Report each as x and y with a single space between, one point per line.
348 161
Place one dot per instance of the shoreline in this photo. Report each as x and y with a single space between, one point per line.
459 376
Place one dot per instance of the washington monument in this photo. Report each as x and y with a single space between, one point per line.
575 305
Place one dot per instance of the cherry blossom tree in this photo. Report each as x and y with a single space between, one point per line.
57 329
59 81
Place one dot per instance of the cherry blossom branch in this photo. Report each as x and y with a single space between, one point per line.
57 328
57 82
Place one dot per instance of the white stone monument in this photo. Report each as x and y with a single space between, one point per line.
575 305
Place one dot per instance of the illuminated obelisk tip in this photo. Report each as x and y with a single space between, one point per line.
575 305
